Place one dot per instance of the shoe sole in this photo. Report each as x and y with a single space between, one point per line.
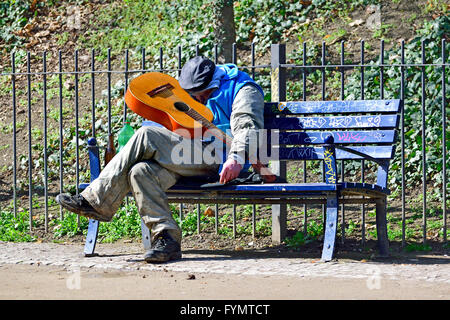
91 214
161 258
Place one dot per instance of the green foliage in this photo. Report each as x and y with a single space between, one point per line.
352 226
298 240
417 247
315 229
268 21
263 226
68 226
17 228
169 24
380 32
125 224
14 15
314 233
189 222
431 34
153 25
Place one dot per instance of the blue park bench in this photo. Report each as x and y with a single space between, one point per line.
319 130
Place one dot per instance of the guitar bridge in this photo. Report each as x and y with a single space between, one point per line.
160 89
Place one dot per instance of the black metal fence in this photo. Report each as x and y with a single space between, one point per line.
68 101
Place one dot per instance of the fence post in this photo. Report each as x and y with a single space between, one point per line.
278 91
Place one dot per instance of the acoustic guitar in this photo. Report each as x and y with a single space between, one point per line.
159 97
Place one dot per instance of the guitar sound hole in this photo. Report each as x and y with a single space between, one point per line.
181 106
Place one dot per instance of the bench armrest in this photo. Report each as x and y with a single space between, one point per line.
329 143
361 154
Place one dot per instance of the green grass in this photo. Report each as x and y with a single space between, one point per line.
145 24
412 247
126 223
68 226
381 32
314 232
263 226
298 240
15 229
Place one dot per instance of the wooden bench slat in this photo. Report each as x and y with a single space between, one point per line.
340 137
316 153
321 107
333 122
266 187
306 189
275 190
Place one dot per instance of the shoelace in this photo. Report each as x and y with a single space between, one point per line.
79 199
160 242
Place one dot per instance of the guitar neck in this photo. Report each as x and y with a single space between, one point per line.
208 125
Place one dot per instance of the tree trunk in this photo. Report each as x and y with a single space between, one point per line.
224 29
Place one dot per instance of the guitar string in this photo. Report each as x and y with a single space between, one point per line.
194 114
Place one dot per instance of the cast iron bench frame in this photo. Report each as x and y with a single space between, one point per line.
307 130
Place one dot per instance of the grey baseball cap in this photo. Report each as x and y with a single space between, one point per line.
196 74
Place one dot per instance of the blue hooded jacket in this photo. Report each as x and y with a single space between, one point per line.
221 100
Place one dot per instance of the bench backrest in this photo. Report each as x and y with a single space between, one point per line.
366 126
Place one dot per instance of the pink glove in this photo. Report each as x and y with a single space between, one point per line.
230 170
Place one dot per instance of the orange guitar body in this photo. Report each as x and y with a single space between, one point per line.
154 95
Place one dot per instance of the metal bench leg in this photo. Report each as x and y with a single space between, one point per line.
94 165
146 236
330 170
330 228
383 241
91 238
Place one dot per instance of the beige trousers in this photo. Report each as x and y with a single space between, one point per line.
148 166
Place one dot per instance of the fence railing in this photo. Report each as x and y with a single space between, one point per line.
63 107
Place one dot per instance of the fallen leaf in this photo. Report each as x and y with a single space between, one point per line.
208 212
356 23
54 26
42 34
32 43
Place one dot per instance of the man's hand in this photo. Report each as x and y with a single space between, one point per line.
230 170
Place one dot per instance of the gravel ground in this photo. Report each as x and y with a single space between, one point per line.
60 271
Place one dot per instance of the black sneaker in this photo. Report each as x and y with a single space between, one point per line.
77 204
164 249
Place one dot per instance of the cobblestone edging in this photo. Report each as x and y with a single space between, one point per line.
128 257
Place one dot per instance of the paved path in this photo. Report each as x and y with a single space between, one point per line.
427 270
129 257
